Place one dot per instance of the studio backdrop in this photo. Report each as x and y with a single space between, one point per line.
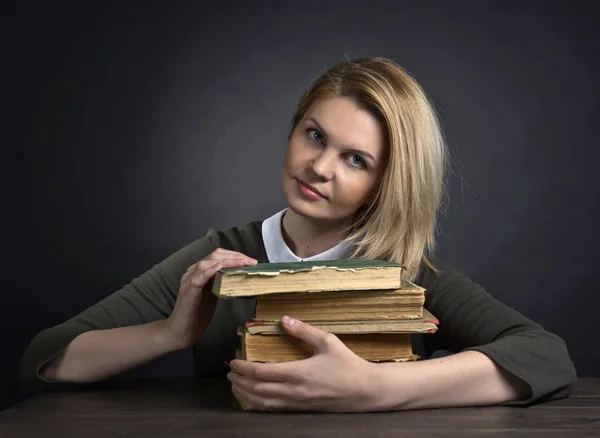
136 128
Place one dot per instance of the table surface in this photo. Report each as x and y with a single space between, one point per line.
205 408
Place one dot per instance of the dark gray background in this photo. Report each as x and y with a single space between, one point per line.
133 129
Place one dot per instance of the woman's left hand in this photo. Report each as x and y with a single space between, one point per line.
333 379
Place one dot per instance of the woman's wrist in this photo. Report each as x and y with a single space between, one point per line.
383 379
164 338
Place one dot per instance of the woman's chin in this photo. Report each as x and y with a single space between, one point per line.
309 210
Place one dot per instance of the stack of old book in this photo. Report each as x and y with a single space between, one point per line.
366 303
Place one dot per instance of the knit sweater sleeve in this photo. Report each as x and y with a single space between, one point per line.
147 298
472 319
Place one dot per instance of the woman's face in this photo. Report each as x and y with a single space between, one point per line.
334 160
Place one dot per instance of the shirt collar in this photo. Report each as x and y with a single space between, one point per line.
278 251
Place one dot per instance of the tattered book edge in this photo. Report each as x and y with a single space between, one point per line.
296 271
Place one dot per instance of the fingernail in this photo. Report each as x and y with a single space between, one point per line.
288 321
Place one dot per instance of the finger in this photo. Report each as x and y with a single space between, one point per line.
192 269
223 263
220 253
271 372
187 274
282 390
200 277
320 340
241 260
230 262
254 402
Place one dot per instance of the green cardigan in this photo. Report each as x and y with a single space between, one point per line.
470 319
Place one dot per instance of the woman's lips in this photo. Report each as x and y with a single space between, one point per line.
309 191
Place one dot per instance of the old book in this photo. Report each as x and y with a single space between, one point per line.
404 303
332 275
375 347
427 324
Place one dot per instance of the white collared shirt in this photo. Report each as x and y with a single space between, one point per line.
278 251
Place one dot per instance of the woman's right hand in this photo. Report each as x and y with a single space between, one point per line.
195 303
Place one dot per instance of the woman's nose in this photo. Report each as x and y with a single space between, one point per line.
324 165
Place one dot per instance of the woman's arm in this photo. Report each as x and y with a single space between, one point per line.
472 320
469 378
98 354
118 333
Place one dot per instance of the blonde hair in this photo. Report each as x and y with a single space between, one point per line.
401 223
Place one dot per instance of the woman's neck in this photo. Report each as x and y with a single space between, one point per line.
307 238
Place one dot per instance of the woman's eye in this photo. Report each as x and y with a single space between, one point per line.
315 135
356 160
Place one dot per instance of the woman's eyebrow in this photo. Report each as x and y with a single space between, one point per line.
312 119
351 148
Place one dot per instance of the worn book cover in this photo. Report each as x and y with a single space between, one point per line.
318 276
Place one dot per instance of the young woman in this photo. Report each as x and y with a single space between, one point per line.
363 176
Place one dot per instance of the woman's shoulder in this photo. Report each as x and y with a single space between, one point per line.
245 238
249 230
441 275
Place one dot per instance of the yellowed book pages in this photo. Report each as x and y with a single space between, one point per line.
283 348
427 324
344 305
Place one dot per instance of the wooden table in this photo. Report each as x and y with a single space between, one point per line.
176 408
